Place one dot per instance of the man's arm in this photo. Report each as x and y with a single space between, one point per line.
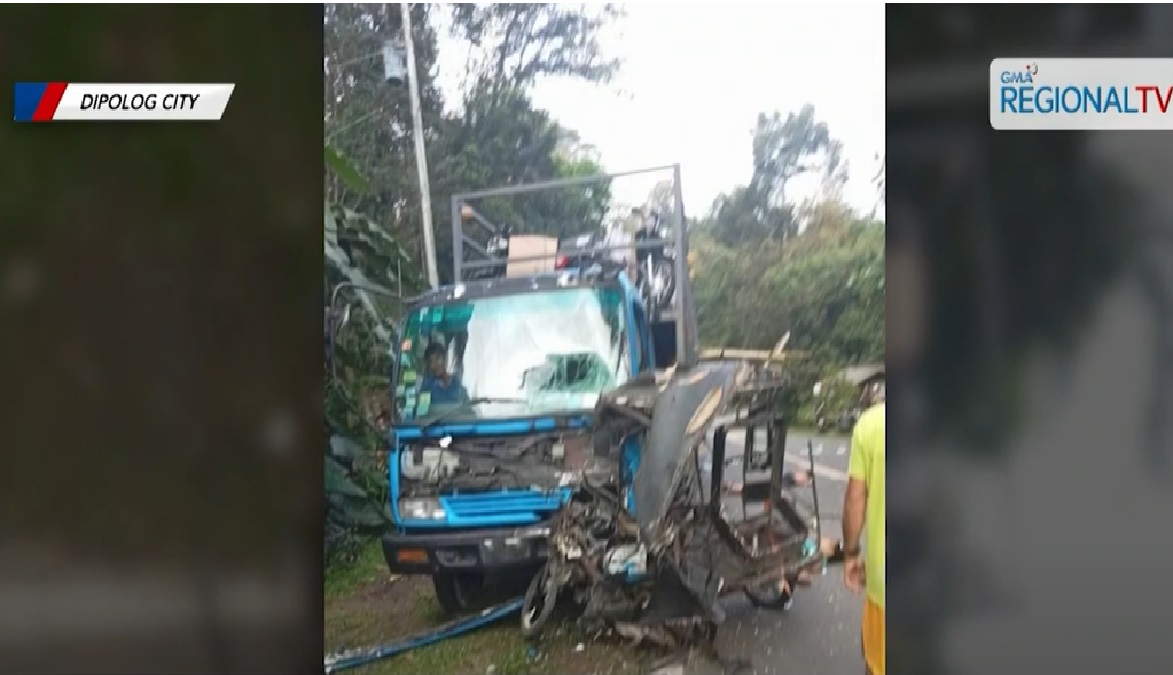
856 498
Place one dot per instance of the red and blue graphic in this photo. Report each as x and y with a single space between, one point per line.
37 101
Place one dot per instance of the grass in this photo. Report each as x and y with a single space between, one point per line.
365 606
342 579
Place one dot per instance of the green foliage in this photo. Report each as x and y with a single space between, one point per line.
368 121
516 43
762 266
493 136
836 396
344 170
783 149
786 148
359 252
827 291
356 505
503 140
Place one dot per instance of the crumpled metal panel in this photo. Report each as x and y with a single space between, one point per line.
684 410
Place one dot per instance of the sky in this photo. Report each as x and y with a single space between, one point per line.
696 75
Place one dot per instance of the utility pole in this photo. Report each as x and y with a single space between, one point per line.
421 160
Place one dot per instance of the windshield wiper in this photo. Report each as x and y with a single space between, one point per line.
464 407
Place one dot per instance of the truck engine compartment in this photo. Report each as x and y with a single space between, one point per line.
454 465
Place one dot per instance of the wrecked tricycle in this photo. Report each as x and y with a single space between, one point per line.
650 560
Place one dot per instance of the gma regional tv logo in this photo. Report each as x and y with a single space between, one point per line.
1024 76
1081 94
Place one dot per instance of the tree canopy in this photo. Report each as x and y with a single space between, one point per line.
764 265
492 136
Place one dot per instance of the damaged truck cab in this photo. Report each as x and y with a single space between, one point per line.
495 384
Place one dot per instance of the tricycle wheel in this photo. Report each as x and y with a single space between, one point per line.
459 592
539 602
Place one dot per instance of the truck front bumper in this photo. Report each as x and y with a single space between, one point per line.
466 550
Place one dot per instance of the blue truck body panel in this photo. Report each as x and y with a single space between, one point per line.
478 525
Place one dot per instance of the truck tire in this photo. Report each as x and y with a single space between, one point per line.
459 592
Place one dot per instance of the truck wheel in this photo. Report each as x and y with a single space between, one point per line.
459 592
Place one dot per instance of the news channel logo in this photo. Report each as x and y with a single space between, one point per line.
1081 94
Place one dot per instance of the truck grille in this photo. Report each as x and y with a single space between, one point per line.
507 507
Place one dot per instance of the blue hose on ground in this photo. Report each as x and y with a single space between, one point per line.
354 658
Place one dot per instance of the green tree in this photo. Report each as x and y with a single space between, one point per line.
360 252
515 44
784 148
763 266
500 138
369 121
832 279
505 142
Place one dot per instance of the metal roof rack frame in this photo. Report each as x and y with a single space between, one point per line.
681 312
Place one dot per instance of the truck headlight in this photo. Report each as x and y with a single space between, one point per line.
421 509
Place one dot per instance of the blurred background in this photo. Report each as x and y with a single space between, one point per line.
158 287
1029 344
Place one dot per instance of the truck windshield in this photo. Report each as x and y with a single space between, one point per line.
512 356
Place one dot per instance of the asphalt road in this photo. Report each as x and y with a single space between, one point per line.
819 635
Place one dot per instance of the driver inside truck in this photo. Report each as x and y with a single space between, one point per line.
444 387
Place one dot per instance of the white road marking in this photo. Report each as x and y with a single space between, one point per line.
821 470
842 450
800 460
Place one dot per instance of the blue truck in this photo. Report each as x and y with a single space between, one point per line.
495 384
558 422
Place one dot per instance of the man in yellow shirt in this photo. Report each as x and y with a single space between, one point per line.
863 514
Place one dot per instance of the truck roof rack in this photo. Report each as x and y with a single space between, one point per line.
681 311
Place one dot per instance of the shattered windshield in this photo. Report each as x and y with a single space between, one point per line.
512 356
